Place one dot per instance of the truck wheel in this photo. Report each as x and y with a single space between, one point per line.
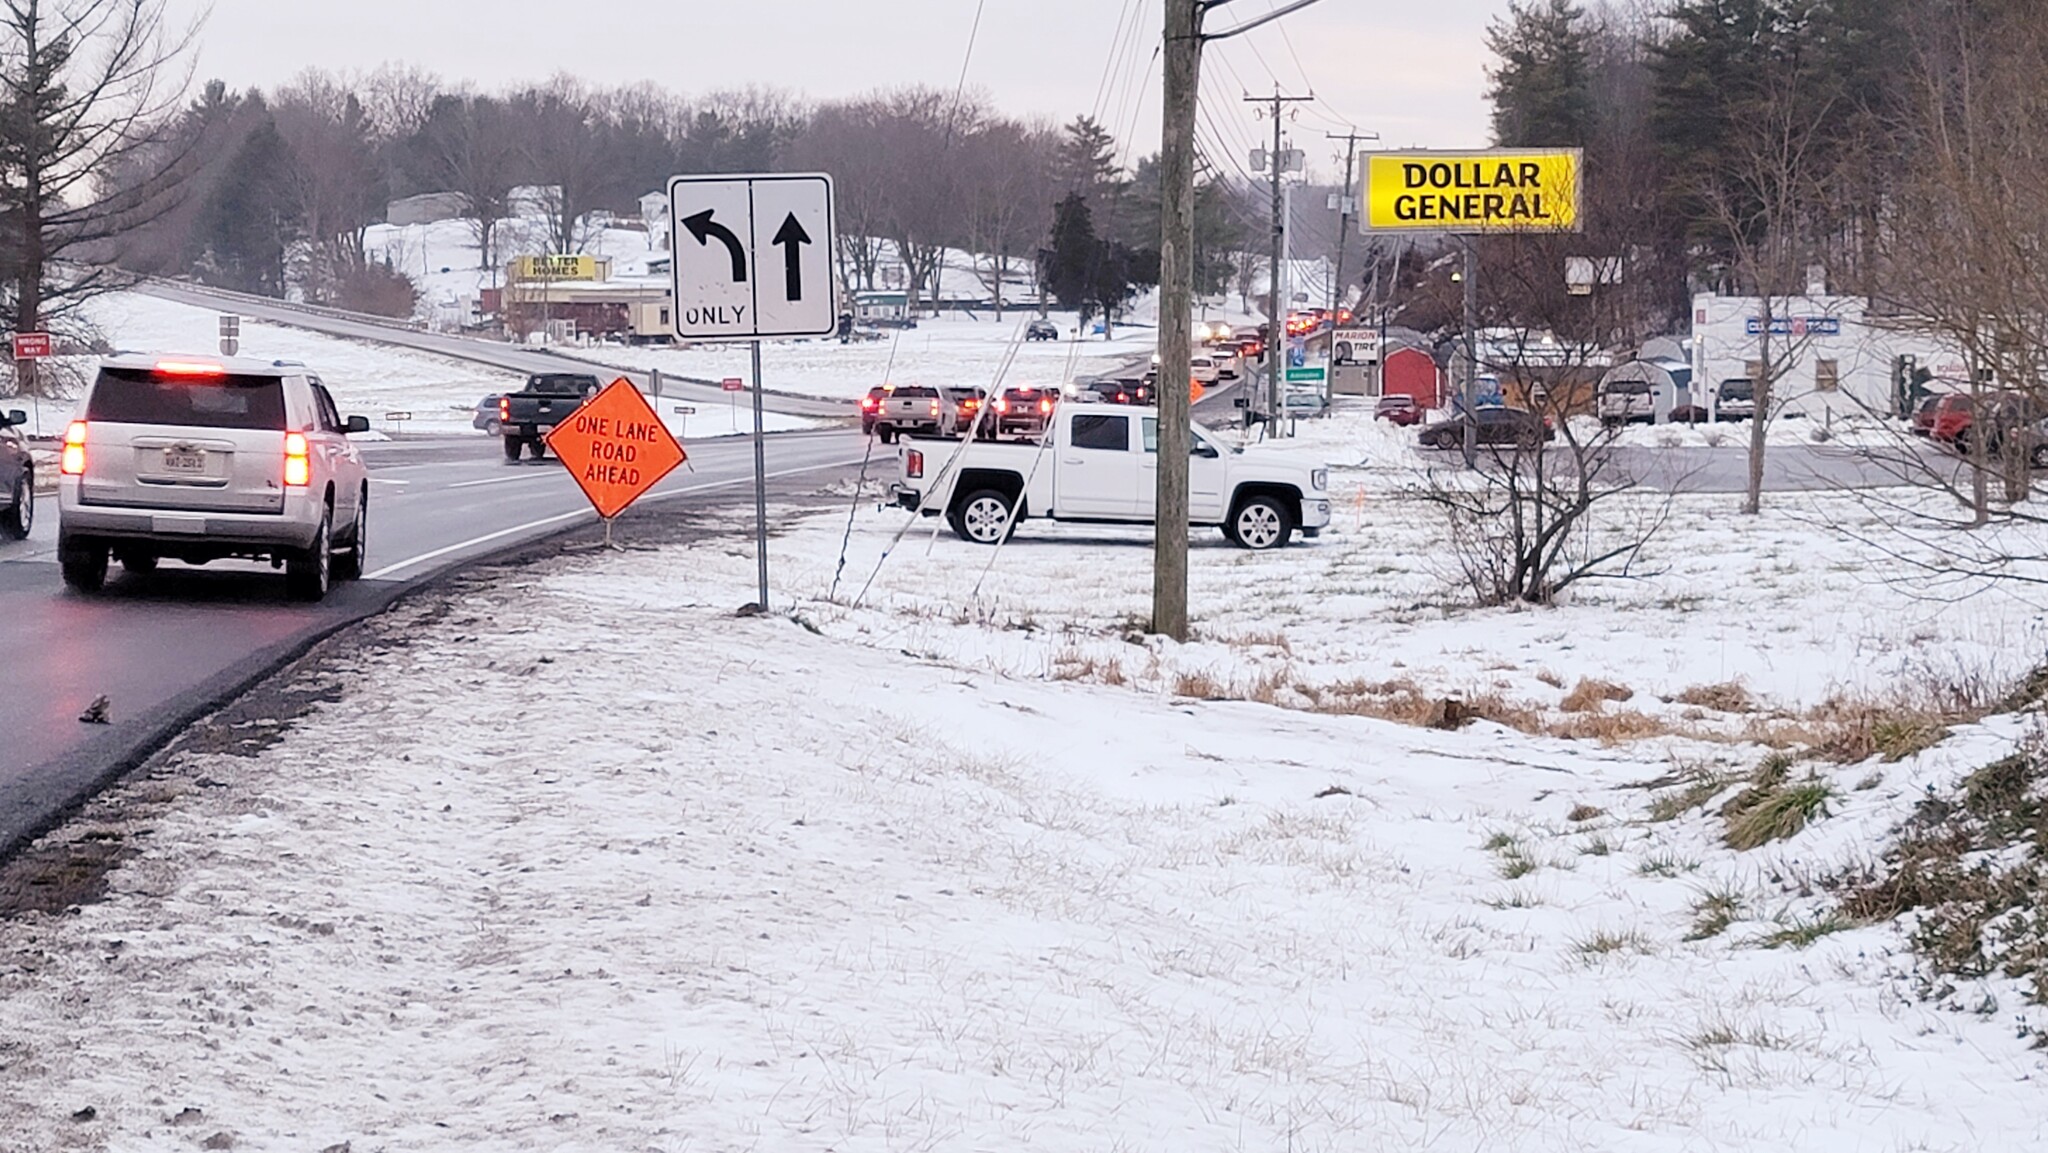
1261 523
537 448
18 520
886 433
349 565
512 446
84 565
985 517
307 574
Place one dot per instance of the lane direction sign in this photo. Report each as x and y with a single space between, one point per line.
616 447
753 256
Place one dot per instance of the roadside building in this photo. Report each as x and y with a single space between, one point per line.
1832 354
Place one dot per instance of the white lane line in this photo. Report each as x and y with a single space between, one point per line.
503 479
544 522
387 480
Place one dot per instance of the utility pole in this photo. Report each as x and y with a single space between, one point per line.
1276 163
1183 73
1345 202
1471 352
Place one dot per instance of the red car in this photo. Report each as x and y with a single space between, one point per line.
1950 421
1923 417
1402 410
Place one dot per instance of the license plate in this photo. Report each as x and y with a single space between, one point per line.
176 461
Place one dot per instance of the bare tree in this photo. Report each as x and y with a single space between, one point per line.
565 150
471 149
88 87
336 182
398 98
1006 184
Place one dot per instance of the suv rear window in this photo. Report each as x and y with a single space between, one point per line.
145 396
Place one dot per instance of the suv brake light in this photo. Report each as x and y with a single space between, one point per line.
913 464
935 408
867 402
1003 406
189 368
73 463
298 467
1045 406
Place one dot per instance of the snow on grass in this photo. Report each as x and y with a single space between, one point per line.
754 887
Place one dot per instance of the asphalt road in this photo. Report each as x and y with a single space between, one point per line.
169 646
496 354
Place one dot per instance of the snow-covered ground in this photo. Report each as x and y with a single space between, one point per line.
753 887
953 870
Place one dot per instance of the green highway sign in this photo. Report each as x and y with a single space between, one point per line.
1305 375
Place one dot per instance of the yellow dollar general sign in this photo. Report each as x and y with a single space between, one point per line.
1503 190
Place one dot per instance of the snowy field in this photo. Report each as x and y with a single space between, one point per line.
372 380
977 870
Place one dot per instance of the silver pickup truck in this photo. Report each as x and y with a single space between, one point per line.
1100 464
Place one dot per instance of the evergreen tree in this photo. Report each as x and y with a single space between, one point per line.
1065 265
250 220
1541 91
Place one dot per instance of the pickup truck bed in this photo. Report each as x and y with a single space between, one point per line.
526 416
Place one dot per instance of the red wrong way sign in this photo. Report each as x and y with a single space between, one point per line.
31 345
616 447
734 384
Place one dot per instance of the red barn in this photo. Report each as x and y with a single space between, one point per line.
1413 372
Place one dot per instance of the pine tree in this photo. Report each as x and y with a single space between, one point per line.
1541 92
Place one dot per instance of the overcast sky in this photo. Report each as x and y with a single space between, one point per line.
1412 72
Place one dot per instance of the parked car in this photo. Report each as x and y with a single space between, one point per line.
1626 401
17 478
1303 402
911 409
965 403
1497 425
1041 329
1922 421
1402 410
1735 399
486 414
1102 470
1025 410
203 458
526 417
1950 423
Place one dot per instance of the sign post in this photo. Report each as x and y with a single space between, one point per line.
760 268
616 448
1501 190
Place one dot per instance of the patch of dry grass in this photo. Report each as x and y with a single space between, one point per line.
1726 697
1589 695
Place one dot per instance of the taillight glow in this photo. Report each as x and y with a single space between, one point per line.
935 408
1003 405
189 368
298 469
913 464
73 463
1045 406
504 410
867 402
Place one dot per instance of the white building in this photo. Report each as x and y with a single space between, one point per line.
1831 355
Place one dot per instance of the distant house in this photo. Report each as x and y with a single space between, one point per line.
426 208
876 307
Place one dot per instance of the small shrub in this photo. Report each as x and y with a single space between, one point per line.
1515 897
1589 695
1772 813
1582 813
1200 685
1666 865
1597 846
1698 788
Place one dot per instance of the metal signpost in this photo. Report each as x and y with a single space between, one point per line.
760 268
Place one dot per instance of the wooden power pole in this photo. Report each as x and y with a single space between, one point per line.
1183 51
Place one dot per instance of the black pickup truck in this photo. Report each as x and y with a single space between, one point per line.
524 417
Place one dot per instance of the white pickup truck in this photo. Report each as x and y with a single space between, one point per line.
1101 465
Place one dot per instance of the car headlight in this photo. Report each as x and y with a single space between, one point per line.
1320 478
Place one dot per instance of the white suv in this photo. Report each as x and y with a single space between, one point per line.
201 458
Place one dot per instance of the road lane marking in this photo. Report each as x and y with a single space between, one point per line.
502 479
559 518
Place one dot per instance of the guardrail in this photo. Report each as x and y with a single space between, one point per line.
232 296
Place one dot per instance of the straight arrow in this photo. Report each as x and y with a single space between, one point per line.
704 228
789 236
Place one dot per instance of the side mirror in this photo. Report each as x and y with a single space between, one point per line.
356 424
15 416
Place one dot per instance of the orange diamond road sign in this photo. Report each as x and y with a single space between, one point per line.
616 447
